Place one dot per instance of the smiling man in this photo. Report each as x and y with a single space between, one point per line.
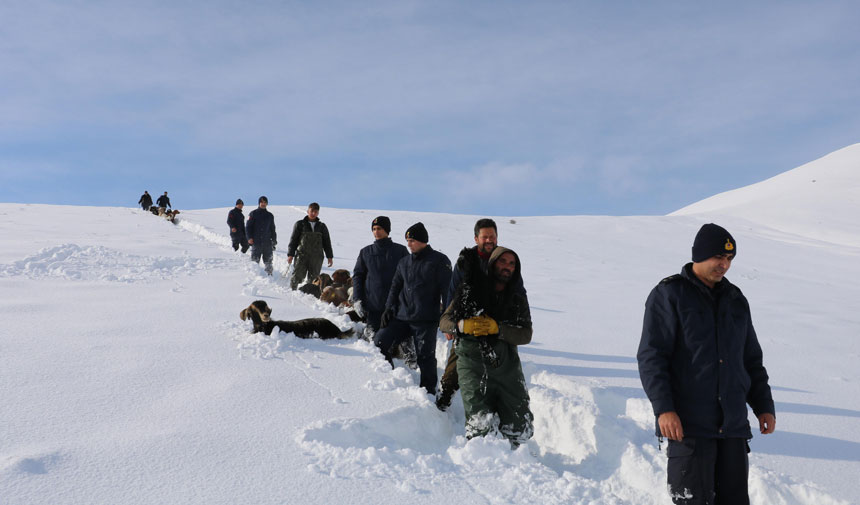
700 363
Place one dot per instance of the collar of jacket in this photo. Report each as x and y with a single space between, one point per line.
382 242
421 254
719 288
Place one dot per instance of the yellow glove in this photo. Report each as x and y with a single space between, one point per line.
479 326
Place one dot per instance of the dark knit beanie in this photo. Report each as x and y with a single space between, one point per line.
418 232
713 240
383 222
263 199
240 202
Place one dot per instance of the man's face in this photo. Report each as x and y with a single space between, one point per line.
414 246
240 205
313 214
486 240
378 232
712 270
263 204
503 268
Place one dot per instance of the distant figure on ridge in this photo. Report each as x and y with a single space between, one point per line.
700 363
163 201
145 201
236 222
261 234
309 241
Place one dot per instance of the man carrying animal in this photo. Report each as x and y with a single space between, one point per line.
260 230
412 309
145 201
236 222
309 241
491 317
374 271
486 240
700 363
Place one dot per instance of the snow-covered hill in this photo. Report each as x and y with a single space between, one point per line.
127 377
820 199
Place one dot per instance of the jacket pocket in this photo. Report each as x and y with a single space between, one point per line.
683 449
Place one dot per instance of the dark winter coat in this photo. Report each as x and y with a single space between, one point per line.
374 271
145 200
476 295
419 287
163 201
486 388
471 255
303 226
261 228
699 357
236 219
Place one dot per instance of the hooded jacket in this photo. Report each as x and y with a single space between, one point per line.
477 295
699 356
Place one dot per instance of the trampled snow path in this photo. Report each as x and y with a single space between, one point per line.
562 464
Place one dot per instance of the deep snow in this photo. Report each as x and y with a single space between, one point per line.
127 377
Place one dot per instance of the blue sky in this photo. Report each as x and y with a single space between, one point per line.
496 108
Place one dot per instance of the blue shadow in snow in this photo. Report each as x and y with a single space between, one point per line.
801 445
575 355
584 371
800 408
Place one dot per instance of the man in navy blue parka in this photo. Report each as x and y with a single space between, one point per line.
700 363
374 271
260 230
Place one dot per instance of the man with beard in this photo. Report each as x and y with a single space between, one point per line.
700 363
491 317
486 240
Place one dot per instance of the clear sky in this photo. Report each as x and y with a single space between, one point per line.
480 107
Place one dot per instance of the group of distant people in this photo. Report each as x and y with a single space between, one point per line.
699 358
160 208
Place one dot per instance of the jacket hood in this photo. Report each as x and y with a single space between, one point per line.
497 252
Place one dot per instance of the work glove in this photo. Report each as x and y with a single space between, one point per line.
479 326
386 318
359 309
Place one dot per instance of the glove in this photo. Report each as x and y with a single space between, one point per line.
479 326
274 245
386 318
359 309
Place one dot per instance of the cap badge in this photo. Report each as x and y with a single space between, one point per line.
729 245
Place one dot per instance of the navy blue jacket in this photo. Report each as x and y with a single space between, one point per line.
261 228
699 356
374 271
419 290
163 201
235 219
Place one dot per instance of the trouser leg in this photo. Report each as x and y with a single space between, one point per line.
424 336
314 267
390 336
268 256
256 254
512 401
690 470
732 472
300 271
450 381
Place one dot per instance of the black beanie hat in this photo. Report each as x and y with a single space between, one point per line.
418 232
240 202
383 222
263 199
713 240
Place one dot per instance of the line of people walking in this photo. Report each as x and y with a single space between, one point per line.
699 358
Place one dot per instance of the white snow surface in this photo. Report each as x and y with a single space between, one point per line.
126 376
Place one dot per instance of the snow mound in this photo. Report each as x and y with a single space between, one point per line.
97 263
818 200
